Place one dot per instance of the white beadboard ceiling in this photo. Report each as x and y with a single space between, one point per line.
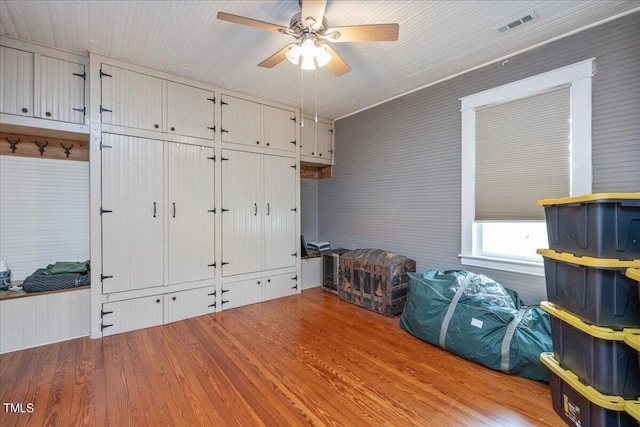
437 39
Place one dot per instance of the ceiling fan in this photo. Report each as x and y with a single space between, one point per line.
312 32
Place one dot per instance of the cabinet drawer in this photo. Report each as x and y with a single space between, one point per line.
191 303
129 315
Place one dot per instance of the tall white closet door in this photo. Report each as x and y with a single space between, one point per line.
242 212
279 128
190 111
191 216
16 81
61 90
130 99
240 121
132 218
280 240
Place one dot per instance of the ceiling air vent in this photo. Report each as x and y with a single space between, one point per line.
511 25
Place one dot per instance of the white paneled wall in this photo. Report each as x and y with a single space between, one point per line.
44 212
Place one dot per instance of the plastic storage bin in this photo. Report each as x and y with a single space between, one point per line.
633 408
581 405
605 225
634 273
594 289
598 356
632 338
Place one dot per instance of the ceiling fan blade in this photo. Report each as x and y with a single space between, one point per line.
251 22
276 58
337 64
313 9
363 33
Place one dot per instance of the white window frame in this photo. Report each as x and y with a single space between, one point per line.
578 77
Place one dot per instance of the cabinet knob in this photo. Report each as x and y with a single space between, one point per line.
158 300
258 282
320 154
172 129
48 114
313 154
156 126
174 298
268 144
258 142
24 110
268 280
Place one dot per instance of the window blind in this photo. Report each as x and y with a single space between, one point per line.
522 155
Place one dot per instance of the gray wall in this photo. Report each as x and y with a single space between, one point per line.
309 208
396 181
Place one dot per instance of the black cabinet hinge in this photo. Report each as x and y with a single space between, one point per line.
104 110
211 265
212 305
223 302
212 210
102 277
212 99
294 166
222 159
224 263
294 119
212 128
331 130
223 210
223 130
295 277
102 326
82 110
212 294
104 313
83 75
102 145
295 209
212 158
224 103
293 142
104 211
295 254
224 291
103 74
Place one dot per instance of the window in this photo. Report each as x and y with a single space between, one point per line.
522 142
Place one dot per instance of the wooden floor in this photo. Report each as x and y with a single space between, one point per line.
309 359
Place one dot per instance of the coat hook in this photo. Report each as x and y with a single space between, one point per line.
67 151
13 144
41 147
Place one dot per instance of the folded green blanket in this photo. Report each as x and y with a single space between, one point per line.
67 267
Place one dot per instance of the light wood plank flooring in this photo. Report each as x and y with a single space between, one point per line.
309 359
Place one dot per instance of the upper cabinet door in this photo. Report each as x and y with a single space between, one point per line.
240 121
130 99
62 86
190 111
191 213
324 141
279 128
16 81
308 138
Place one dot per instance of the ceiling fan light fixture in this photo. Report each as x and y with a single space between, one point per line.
322 56
293 54
308 63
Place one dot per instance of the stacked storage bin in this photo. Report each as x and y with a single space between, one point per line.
594 305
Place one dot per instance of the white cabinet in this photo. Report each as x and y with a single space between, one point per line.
58 95
244 292
130 99
191 213
62 86
185 304
240 121
131 314
257 125
190 111
132 213
279 128
258 212
311 272
316 141
16 81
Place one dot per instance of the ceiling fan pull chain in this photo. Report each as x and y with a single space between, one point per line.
302 98
316 120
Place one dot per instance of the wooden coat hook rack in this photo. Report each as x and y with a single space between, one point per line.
43 147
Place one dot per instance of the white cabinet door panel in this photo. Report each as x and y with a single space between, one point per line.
132 233
191 303
241 212
132 99
190 111
191 220
241 293
129 315
280 286
16 81
61 90
308 138
240 121
279 128
324 140
280 240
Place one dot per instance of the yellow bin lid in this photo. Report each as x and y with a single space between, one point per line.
633 273
633 408
614 403
600 197
588 261
632 338
595 331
